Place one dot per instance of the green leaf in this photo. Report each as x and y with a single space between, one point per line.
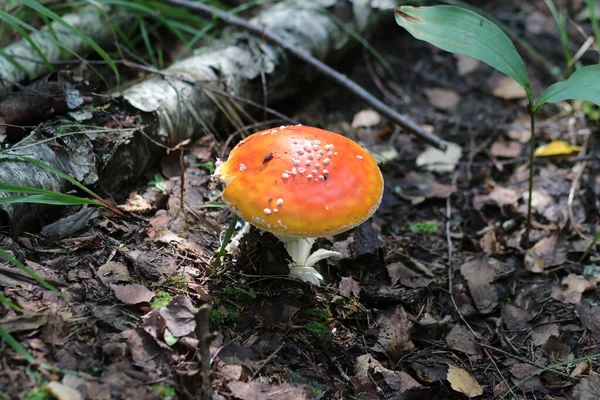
584 84
462 31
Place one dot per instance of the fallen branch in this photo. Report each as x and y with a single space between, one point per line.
343 80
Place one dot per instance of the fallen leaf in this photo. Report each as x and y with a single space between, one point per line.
462 382
113 272
465 64
548 252
556 350
394 333
62 392
22 323
506 149
505 199
399 272
349 287
132 294
540 334
366 119
556 148
524 370
480 272
573 286
461 339
264 391
398 382
419 187
138 205
433 159
443 99
507 88
589 314
179 316
515 318
144 349
588 388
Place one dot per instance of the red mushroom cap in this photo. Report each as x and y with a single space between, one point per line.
301 181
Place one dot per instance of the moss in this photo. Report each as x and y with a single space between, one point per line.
163 391
316 313
218 318
161 299
318 330
427 227
238 294
178 282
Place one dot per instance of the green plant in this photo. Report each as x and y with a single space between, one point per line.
161 299
159 183
424 227
316 313
318 329
238 294
164 391
459 30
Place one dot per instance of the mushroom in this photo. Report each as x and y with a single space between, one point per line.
301 183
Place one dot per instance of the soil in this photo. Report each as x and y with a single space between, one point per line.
439 295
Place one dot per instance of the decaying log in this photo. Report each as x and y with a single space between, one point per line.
91 21
185 100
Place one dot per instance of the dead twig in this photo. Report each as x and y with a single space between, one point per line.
331 73
450 284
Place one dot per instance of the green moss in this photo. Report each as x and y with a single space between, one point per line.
163 391
178 282
238 294
219 318
161 299
317 329
316 313
427 227
37 393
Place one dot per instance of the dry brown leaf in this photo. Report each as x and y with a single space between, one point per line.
398 382
540 334
508 89
465 64
588 388
132 294
138 205
394 335
506 149
179 316
349 287
113 272
515 318
366 119
443 99
399 272
433 159
461 339
417 188
572 287
499 196
548 252
265 391
462 382
480 272
62 392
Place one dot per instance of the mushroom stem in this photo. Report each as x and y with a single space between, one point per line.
302 263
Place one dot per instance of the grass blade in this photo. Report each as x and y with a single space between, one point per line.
58 19
458 30
7 302
15 345
4 254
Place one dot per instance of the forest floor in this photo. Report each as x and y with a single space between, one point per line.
437 296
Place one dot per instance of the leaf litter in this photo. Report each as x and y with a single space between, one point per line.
383 324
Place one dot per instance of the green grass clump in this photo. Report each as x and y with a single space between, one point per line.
320 314
161 299
427 227
163 391
318 329
237 294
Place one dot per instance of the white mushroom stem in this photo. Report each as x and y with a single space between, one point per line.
302 263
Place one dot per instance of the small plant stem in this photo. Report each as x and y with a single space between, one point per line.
595 26
590 247
532 113
226 240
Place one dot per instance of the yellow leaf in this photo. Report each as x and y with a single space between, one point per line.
556 148
462 382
